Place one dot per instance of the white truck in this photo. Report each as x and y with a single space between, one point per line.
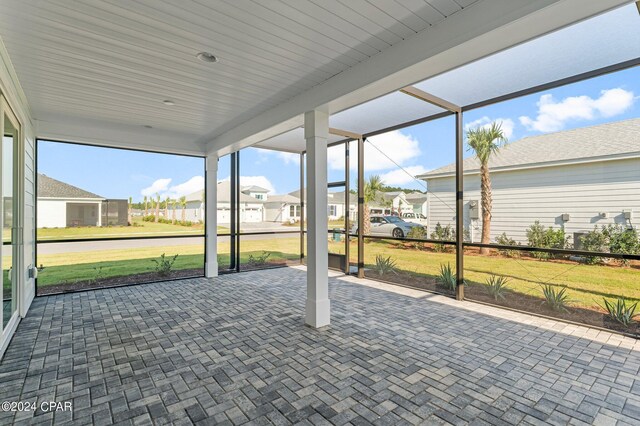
415 218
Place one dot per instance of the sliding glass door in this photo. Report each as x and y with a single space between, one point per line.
9 217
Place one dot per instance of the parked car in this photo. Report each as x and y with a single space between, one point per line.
415 218
389 226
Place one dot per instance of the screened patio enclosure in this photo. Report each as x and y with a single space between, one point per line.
564 59
160 79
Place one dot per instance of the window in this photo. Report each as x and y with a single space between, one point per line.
80 196
293 211
333 210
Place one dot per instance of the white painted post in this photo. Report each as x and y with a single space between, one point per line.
211 221
316 132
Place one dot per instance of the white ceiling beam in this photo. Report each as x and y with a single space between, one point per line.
432 99
481 29
344 133
91 132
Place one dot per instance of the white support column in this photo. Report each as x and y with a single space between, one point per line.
316 132
211 221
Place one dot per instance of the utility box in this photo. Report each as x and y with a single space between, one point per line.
628 214
566 217
474 210
577 239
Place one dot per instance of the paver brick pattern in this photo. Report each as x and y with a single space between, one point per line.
234 350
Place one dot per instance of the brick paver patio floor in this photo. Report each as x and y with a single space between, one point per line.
234 350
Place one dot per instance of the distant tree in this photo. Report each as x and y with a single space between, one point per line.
157 207
485 141
372 189
183 204
146 210
173 204
166 207
130 217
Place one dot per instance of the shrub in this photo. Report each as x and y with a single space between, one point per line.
594 241
622 240
443 233
620 311
497 286
260 260
164 265
503 240
417 233
447 277
539 236
554 298
385 265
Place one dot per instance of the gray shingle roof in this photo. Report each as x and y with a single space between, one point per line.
52 188
605 140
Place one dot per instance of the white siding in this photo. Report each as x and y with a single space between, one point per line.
521 197
52 213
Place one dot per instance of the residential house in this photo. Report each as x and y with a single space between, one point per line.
575 179
61 205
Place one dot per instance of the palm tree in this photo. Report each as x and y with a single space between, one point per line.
183 204
372 189
157 207
146 210
173 218
166 207
485 141
130 218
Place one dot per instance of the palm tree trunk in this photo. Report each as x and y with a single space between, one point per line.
485 195
184 212
366 221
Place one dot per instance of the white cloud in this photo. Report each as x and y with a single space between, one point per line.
506 124
160 185
194 184
396 145
260 181
400 177
553 115
289 158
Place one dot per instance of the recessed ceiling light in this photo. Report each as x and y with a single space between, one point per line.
207 57
168 102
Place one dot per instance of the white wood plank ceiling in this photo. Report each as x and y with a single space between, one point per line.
115 61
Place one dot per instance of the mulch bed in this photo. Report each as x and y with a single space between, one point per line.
594 316
117 281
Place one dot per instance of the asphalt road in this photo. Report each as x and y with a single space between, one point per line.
76 247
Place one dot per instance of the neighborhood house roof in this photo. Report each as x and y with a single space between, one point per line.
254 188
284 199
602 141
52 188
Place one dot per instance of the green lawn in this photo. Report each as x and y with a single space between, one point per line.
587 284
82 266
139 229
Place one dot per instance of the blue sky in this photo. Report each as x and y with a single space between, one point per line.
120 173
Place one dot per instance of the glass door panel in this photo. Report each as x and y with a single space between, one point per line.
9 216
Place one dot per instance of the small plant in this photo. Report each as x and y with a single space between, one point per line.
503 240
385 265
164 265
620 311
497 286
447 277
557 300
260 260
98 275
